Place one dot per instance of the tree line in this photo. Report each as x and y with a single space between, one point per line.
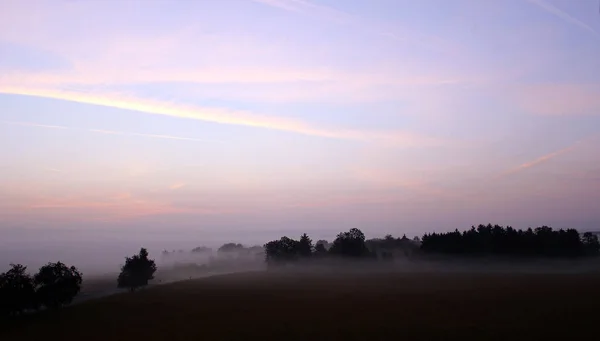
223 249
348 245
498 240
56 284
484 240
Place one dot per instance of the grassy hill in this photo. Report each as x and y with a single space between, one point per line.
349 306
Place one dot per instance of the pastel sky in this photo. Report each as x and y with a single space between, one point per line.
246 120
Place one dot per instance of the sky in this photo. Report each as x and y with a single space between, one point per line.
183 123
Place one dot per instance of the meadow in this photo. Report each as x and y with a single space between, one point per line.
335 304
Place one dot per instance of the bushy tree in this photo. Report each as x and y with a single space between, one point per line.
57 284
201 249
320 250
17 291
590 243
256 252
385 248
325 244
350 244
137 271
278 252
230 247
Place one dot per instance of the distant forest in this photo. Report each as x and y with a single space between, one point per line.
498 240
485 240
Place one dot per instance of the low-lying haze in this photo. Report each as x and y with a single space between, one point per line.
171 125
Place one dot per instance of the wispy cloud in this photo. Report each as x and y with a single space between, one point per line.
108 73
177 185
539 160
545 158
309 8
388 180
155 136
559 99
329 201
28 124
109 132
378 28
283 4
563 15
53 170
224 116
115 207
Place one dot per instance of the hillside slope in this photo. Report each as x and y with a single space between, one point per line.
285 306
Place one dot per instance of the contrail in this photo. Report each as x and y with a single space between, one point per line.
28 124
563 15
110 132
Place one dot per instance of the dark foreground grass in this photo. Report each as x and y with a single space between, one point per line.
374 306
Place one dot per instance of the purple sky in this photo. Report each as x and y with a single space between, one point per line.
181 123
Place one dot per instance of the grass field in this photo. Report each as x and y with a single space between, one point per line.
347 306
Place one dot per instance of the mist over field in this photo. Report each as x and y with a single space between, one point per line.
100 261
299 169
99 252
440 280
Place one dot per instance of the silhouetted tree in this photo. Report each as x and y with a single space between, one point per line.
201 249
305 246
286 250
57 284
17 291
590 243
137 271
320 250
256 252
282 251
387 247
350 244
230 247
325 243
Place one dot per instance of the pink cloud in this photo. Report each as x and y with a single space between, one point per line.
114 206
547 157
387 179
177 185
